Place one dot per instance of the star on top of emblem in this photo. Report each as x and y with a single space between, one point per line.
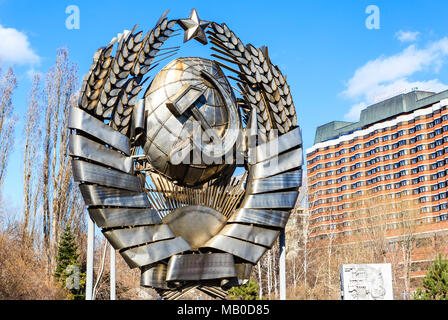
194 27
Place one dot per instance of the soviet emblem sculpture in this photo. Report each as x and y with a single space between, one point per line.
162 176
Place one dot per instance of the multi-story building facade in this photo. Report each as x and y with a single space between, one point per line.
387 172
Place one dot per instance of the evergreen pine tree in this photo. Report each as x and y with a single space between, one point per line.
67 265
435 283
249 291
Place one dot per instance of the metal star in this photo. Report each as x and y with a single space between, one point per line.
194 28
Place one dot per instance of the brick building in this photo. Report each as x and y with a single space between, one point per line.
387 172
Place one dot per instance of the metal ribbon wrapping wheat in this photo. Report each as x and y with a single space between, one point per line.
194 181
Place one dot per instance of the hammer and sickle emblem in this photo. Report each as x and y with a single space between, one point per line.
185 100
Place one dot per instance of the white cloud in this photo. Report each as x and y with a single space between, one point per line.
403 64
386 76
385 91
407 36
355 111
15 47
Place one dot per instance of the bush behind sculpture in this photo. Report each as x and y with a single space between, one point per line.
435 284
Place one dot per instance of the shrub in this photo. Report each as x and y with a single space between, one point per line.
249 291
435 284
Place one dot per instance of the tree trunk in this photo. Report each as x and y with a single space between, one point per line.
32 140
260 281
269 274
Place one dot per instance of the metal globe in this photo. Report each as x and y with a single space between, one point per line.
189 93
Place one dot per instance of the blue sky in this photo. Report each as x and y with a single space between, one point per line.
335 65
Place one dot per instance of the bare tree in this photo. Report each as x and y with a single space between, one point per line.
275 263
259 280
306 251
309 256
59 195
8 84
408 221
269 272
330 249
299 254
32 133
371 216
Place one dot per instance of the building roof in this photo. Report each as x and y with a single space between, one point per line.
394 106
